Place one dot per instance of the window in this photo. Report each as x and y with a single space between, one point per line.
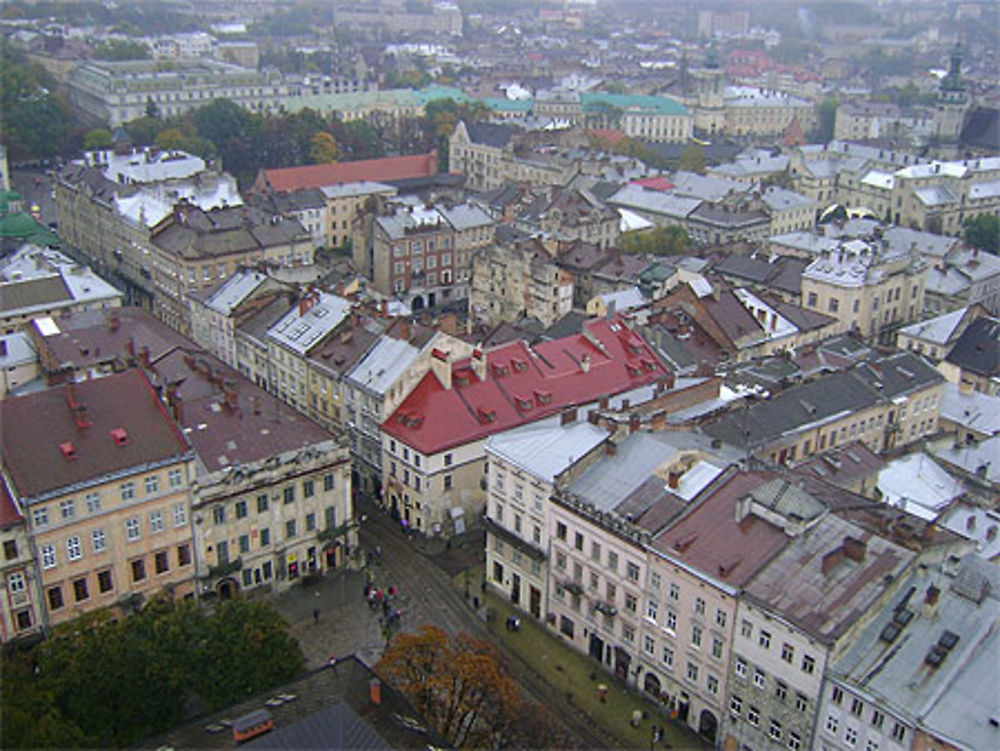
138 570
746 629
262 503
675 591
668 657
628 634
811 300
692 672
649 644
871 745
764 639
837 695
152 484
308 489
716 647
787 652
651 610
160 562
794 741
156 522
595 551
671 621
93 503
560 560
55 598
328 481
758 678
67 509
781 690
219 514
289 494
448 460
878 719
310 522
104 581
808 664
632 572
132 528
290 530
241 509
850 736
48 556
898 732
265 537
612 560
753 715
244 543
699 606
631 603
175 478
183 555
128 491
578 541
40 517
98 540
180 515
735 704
741 667
560 531
720 618
832 723
713 684
222 552
857 707
74 550
774 732
801 703
696 636
15 583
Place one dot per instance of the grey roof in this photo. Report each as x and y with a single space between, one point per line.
779 199
545 450
336 727
977 350
488 134
380 368
895 672
787 499
972 409
654 202
237 288
982 458
300 333
938 329
18 349
705 187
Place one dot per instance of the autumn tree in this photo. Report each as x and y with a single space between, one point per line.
324 148
459 685
692 159
660 241
99 138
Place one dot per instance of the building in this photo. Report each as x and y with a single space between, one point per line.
21 606
754 111
43 282
112 93
934 337
388 169
943 627
510 281
18 362
434 442
650 118
973 363
886 402
421 253
270 491
867 289
104 484
307 206
477 150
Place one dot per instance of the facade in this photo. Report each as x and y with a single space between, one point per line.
934 337
420 253
18 361
752 111
21 608
434 441
973 363
114 528
511 281
886 402
479 151
651 118
867 290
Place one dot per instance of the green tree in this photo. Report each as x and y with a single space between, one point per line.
99 138
692 159
222 120
152 109
983 232
121 49
323 148
34 120
660 241
826 119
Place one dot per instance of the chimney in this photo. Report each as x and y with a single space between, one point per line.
585 363
114 323
610 448
634 422
255 402
178 409
479 364
441 366
232 399
930 606
308 301
144 356
375 691
674 478
854 549
567 416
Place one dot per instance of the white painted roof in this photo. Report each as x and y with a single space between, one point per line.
938 329
300 333
234 291
386 361
544 449
918 485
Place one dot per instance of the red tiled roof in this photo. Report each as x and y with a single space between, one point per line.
9 515
655 183
611 135
712 541
375 170
47 445
522 385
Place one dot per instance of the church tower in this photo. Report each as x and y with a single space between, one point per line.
710 86
953 102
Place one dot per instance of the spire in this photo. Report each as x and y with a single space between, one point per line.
953 81
712 56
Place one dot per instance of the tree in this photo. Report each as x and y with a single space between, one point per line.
826 119
324 148
692 159
99 138
152 109
660 241
121 49
222 120
983 232
459 685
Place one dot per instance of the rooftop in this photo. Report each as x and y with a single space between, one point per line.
977 350
370 170
544 449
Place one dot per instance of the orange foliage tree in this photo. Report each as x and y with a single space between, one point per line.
461 688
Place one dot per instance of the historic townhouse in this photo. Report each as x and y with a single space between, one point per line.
21 607
434 442
104 482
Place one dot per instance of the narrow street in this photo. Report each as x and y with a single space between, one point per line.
427 596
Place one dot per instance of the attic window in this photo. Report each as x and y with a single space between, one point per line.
500 370
523 403
68 451
543 397
520 366
119 436
633 370
486 415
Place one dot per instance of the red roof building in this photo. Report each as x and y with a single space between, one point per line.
661 184
447 417
371 170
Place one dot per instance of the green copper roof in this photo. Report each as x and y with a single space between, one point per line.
652 105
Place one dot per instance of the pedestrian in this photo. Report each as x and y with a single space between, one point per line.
316 615
378 552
